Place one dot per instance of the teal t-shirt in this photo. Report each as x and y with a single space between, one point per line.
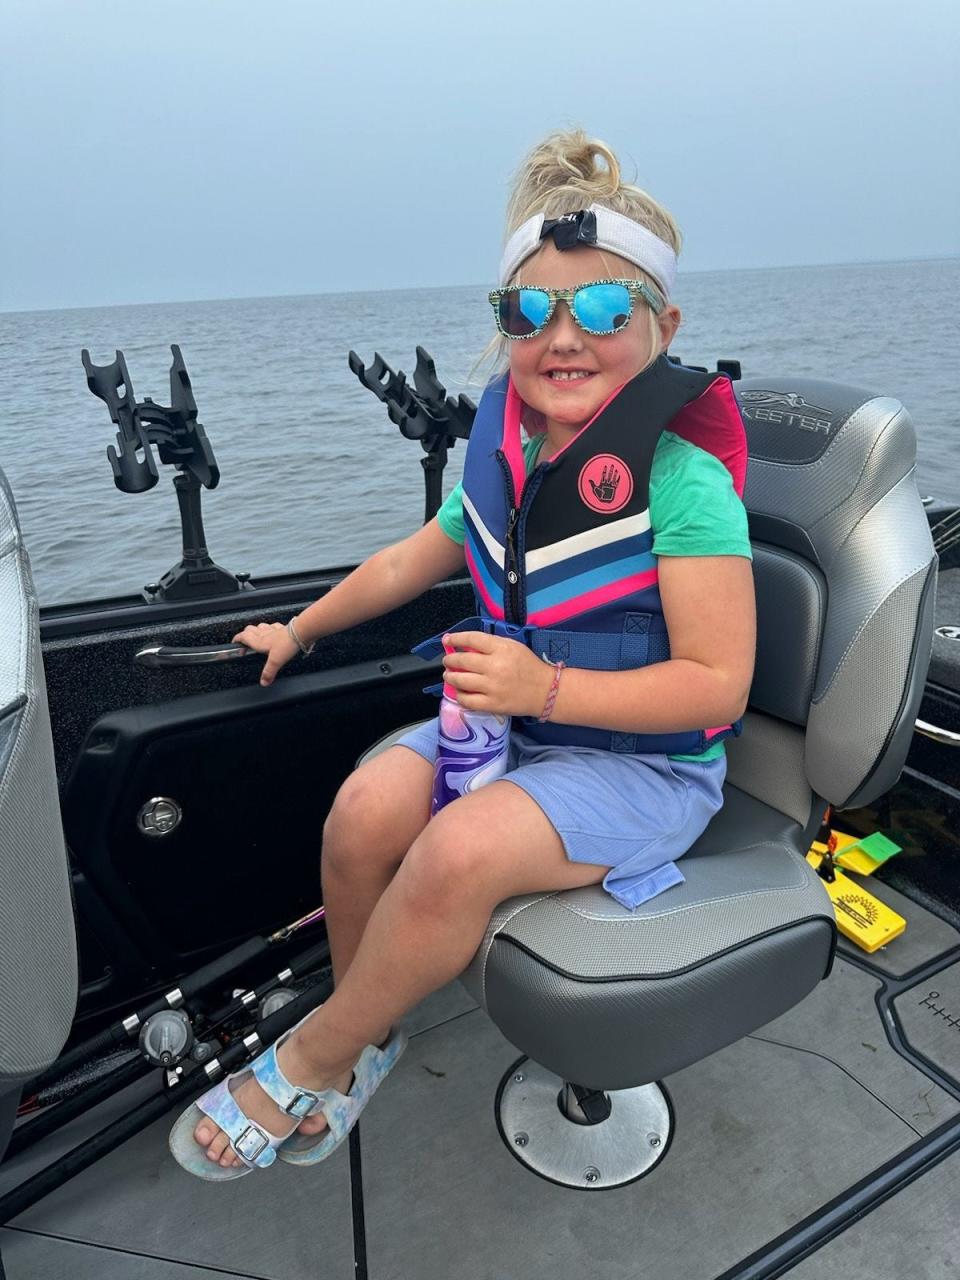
694 511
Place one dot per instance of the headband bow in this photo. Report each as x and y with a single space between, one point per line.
572 229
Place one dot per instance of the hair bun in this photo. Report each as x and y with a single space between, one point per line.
581 158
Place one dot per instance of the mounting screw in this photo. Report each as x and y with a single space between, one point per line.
152 588
243 576
654 1139
592 1174
518 1078
520 1139
385 668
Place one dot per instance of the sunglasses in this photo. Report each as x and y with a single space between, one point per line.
600 307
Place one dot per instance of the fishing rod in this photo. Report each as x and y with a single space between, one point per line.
167 1046
179 1088
143 1024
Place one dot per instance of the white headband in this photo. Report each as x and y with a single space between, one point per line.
604 230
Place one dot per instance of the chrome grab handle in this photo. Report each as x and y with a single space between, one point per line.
946 736
160 655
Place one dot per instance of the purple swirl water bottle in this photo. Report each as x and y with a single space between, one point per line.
471 749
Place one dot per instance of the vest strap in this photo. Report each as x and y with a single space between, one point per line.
642 641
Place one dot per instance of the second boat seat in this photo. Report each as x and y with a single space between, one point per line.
38 948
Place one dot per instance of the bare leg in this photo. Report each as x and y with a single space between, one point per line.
378 813
423 932
376 816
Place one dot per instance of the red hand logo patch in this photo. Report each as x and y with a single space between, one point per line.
605 483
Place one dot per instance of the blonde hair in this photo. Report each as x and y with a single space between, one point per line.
568 171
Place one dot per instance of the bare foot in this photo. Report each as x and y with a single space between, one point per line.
263 1111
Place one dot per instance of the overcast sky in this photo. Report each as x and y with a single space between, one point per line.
156 150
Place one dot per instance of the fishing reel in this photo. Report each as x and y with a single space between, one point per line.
166 1037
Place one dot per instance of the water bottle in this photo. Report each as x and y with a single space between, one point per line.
471 749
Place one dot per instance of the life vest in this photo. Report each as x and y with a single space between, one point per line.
562 559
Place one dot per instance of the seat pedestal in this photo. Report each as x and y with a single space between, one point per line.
543 1126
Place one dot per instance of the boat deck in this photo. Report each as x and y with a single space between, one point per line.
767 1132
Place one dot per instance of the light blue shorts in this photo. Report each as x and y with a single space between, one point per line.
635 814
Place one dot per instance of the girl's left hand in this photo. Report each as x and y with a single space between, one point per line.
499 675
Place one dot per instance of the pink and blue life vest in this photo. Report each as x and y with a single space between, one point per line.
562 559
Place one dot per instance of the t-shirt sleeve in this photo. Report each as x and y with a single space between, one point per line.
450 515
694 509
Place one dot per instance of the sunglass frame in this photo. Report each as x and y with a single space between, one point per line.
567 295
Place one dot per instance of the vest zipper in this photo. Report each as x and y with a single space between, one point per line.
514 518
512 597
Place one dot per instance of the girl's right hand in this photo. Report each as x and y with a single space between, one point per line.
273 639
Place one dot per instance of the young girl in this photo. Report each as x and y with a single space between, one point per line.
616 524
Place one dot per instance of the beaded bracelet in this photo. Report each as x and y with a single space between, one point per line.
552 695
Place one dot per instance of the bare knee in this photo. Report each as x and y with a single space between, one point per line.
370 825
445 864
354 829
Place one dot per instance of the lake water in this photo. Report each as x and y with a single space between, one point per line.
313 474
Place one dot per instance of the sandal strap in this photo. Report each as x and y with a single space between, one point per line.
255 1146
343 1110
290 1098
374 1064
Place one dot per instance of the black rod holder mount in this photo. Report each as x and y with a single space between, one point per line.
181 442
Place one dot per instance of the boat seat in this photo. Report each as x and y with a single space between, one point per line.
604 1000
38 950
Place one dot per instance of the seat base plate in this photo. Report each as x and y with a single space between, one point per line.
590 1157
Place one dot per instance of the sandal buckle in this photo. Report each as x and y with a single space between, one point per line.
296 1106
251 1143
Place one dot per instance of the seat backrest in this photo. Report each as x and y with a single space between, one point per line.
845 574
38 952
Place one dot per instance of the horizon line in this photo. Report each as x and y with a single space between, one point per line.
327 293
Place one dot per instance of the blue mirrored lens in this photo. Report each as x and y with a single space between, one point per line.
524 312
602 308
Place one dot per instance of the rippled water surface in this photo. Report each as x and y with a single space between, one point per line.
314 475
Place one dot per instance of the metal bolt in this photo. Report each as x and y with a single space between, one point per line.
592 1174
242 576
385 668
520 1139
518 1078
654 1139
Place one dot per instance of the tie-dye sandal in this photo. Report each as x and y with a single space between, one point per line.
343 1110
255 1146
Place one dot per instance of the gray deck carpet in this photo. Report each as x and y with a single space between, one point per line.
914 1236
767 1130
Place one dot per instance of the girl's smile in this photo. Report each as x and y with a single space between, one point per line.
566 374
